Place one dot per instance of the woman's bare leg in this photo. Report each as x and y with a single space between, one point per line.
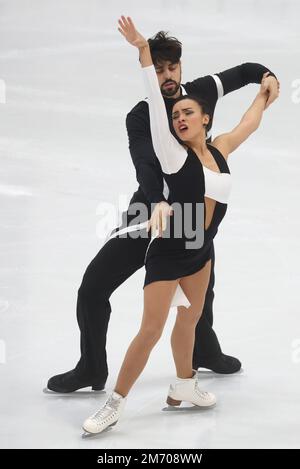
157 300
183 334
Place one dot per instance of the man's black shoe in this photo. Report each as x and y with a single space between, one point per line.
72 381
224 364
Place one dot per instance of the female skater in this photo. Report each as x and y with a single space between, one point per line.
197 174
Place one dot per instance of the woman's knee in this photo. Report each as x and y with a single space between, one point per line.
190 317
150 335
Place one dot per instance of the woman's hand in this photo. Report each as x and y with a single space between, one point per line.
131 35
158 220
269 88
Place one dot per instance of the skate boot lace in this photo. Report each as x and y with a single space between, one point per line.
203 394
109 408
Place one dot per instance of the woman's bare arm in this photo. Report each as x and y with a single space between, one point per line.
250 122
171 154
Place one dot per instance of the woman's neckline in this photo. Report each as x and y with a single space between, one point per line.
206 167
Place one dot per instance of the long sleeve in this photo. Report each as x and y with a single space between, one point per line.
239 76
148 170
213 87
169 151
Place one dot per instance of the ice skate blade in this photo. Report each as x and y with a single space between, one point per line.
73 393
193 408
87 434
206 372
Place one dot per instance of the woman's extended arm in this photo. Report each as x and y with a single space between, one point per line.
250 121
169 151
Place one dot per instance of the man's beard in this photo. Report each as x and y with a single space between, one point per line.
169 92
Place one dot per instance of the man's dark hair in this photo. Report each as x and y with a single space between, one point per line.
164 48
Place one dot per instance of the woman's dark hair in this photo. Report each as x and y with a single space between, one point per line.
164 48
202 103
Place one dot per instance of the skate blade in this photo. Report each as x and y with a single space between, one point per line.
207 373
73 393
88 435
193 408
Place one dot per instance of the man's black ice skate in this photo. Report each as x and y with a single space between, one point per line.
224 364
72 381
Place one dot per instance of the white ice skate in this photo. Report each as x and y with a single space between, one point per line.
188 390
107 416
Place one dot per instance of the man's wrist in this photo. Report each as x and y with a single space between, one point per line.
158 198
271 74
162 201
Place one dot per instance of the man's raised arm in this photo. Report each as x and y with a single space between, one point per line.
241 75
